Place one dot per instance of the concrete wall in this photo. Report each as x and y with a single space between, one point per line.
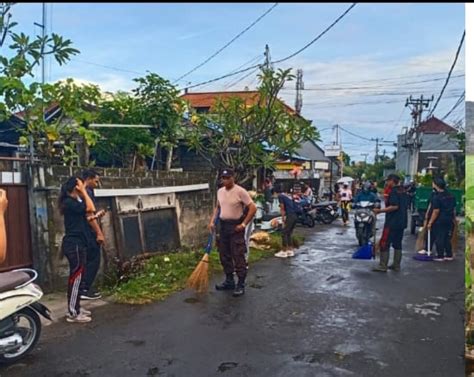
192 209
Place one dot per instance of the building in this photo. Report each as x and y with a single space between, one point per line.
438 148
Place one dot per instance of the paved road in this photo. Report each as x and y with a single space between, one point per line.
318 314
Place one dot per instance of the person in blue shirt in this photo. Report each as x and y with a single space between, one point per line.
366 195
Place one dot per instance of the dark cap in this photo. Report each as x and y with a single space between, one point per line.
227 173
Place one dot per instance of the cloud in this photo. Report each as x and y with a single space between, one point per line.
106 82
194 35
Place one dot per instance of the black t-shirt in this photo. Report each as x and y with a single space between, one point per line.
268 194
291 207
397 219
446 203
430 203
75 222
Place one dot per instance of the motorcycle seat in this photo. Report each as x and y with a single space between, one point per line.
11 280
270 216
324 204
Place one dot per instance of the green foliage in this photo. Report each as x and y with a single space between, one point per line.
162 107
118 146
164 274
236 133
20 54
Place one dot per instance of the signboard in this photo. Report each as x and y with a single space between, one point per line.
332 150
286 174
321 165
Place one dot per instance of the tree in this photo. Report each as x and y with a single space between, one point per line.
161 107
124 147
63 138
19 55
346 158
247 135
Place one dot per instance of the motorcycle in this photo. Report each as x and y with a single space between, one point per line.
325 212
20 324
306 215
364 221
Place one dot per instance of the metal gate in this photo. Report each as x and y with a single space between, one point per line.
17 221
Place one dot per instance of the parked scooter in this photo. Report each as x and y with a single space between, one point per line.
20 324
325 212
364 220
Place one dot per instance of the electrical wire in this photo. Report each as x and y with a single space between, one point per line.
449 74
278 61
401 84
353 134
107 66
318 37
226 45
459 101
242 78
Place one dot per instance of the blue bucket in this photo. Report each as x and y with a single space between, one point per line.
365 252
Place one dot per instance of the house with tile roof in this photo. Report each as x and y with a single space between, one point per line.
438 147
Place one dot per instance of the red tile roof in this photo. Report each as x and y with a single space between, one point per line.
434 125
208 99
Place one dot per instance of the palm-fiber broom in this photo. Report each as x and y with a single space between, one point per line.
199 279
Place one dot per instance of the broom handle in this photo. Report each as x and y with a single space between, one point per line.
429 242
211 234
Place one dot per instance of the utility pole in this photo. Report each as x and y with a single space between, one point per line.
43 71
377 140
299 93
268 64
412 138
365 157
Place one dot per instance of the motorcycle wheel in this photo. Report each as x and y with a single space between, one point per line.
309 221
30 335
327 218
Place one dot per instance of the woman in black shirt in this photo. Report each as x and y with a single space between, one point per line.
75 204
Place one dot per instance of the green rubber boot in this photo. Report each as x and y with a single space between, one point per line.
397 259
382 267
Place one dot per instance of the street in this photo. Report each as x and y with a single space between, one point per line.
320 313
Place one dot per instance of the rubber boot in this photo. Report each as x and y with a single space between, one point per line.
239 289
397 259
382 267
228 284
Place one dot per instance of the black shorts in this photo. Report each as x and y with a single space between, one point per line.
391 237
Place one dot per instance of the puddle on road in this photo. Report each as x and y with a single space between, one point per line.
153 371
227 366
191 300
136 343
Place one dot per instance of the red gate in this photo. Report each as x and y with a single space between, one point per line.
17 221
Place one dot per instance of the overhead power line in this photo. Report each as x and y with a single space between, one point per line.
353 134
226 45
277 61
107 66
394 85
318 37
449 74
459 101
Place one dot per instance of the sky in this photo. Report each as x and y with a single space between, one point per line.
358 75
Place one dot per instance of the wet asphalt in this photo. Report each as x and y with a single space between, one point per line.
320 313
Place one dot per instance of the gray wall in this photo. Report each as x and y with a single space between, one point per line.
192 211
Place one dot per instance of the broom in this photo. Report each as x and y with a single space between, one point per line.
420 241
199 279
454 238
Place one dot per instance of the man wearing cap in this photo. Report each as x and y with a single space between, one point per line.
396 220
232 202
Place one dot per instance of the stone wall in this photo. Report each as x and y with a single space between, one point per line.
192 211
